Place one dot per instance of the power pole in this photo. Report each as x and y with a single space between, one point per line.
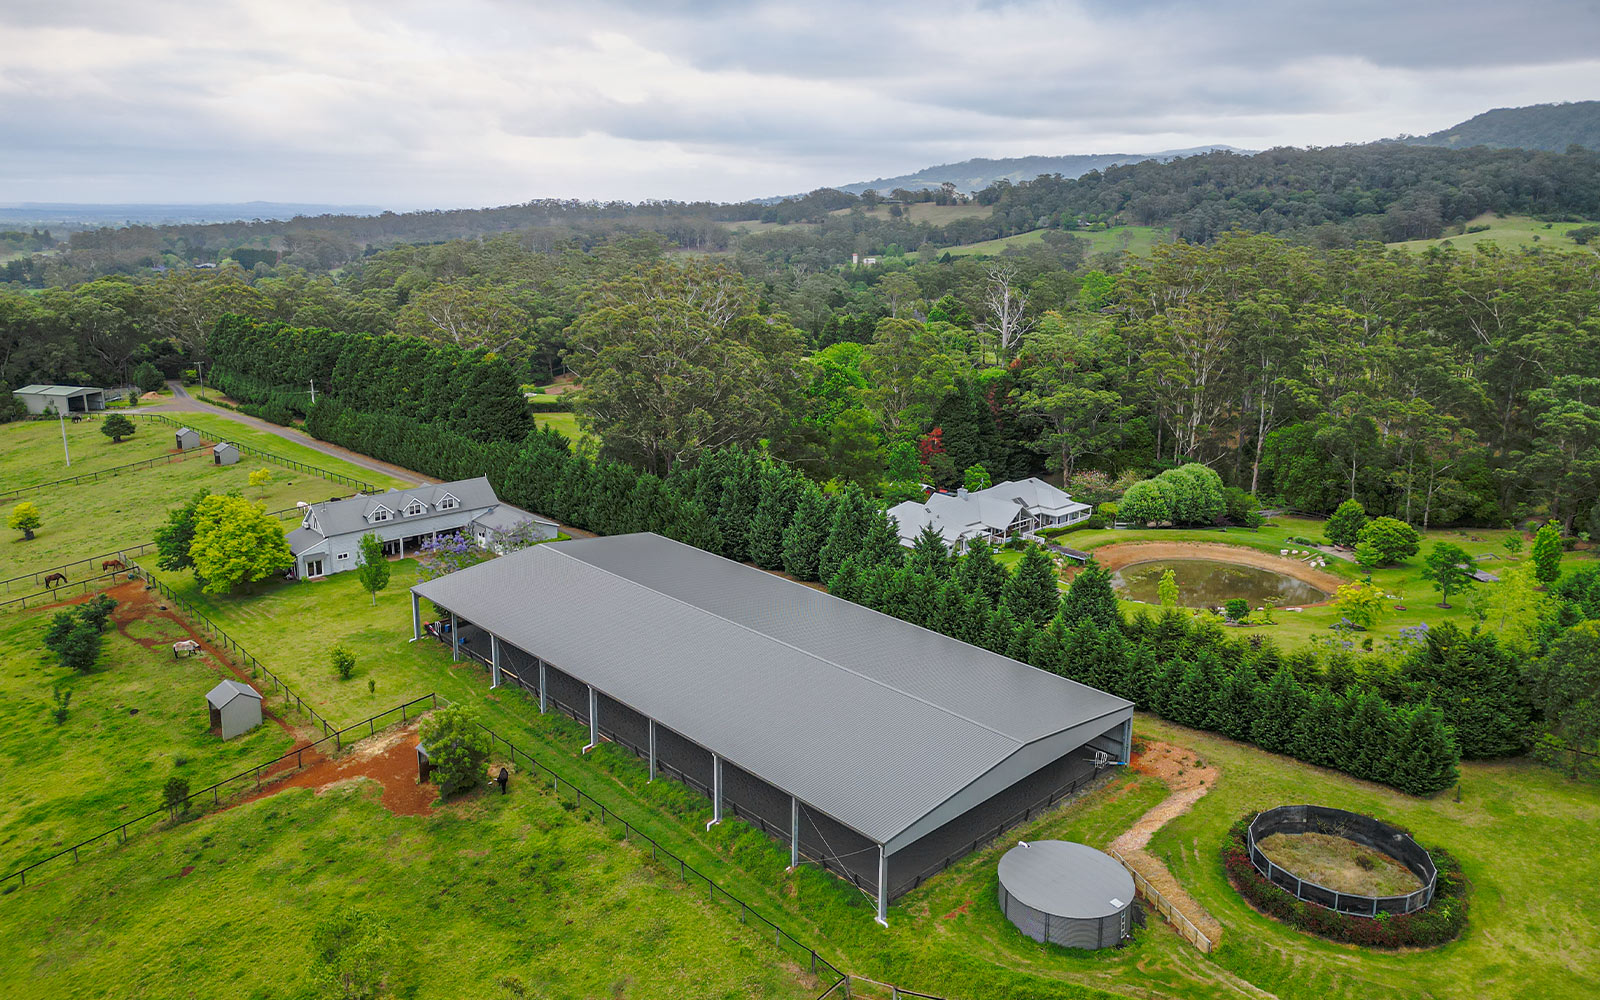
313 392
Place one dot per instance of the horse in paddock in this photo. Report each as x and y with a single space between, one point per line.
113 564
54 579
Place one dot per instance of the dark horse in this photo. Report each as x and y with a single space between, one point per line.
112 564
55 578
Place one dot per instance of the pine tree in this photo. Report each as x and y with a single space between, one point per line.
1196 692
975 611
1163 684
1318 732
774 513
1031 591
1002 630
803 540
847 582
736 509
1345 524
1090 596
923 593
1367 734
1424 758
1234 708
1281 706
1475 684
980 575
847 534
1021 641
1137 676
929 554
882 543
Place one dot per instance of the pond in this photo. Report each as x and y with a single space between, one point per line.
1205 583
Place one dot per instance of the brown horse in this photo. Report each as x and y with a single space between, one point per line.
54 578
112 564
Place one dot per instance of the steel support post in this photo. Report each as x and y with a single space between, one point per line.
716 791
544 699
883 887
652 749
416 617
455 637
594 720
794 833
494 661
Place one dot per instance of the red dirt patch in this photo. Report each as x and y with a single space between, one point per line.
961 911
390 759
135 603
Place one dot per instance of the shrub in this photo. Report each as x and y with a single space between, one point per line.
1443 920
62 699
458 748
176 793
344 662
1236 609
116 427
1345 523
1392 540
25 518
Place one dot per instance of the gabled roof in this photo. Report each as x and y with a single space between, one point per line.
342 517
57 390
1033 493
504 517
223 444
873 720
228 690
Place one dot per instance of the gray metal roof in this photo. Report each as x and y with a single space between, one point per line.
342 517
504 517
875 721
57 390
229 690
1065 879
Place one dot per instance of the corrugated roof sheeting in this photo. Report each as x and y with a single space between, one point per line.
867 718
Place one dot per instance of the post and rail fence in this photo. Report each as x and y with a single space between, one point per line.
249 779
94 477
360 485
1180 922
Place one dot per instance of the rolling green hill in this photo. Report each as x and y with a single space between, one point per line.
1551 127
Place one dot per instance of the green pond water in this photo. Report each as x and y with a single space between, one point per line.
1204 583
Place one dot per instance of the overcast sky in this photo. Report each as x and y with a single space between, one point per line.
483 102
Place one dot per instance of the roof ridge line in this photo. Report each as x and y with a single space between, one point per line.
805 652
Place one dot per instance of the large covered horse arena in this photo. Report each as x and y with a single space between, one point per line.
873 747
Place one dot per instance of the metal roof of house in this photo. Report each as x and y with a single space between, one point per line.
57 390
504 517
873 720
229 690
955 515
350 515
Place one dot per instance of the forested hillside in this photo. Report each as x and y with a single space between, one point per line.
1542 126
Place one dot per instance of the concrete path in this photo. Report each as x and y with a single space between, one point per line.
182 402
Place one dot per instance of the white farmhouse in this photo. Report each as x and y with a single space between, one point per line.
328 539
993 514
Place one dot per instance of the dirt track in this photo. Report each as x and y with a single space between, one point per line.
1123 554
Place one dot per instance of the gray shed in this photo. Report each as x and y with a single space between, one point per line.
61 398
235 708
225 454
188 438
1067 894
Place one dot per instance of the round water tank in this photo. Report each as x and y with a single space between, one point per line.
1067 894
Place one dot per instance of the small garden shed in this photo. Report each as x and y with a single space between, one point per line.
235 708
188 438
225 454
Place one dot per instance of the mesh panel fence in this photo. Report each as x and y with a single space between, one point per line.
1363 830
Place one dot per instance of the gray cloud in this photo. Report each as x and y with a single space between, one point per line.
493 101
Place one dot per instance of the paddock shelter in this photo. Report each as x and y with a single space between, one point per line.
873 747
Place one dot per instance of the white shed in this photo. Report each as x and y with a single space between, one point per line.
235 708
61 398
225 453
188 438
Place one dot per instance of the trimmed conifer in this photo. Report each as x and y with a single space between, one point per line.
980 575
1277 712
1090 596
803 539
1031 592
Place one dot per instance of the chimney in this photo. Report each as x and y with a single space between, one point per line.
961 492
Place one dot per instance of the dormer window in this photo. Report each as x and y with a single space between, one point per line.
448 502
414 508
381 514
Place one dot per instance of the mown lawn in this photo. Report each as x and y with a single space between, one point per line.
1511 232
216 427
486 891
135 721
31 453
1521 831
1403 582
122 511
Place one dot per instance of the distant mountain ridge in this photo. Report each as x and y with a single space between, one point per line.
72 215
1551 127
977 174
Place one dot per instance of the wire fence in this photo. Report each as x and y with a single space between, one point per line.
687 873
227 642
62 592
360 485
1357 828
124 555
212 796
94 477
1177 918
